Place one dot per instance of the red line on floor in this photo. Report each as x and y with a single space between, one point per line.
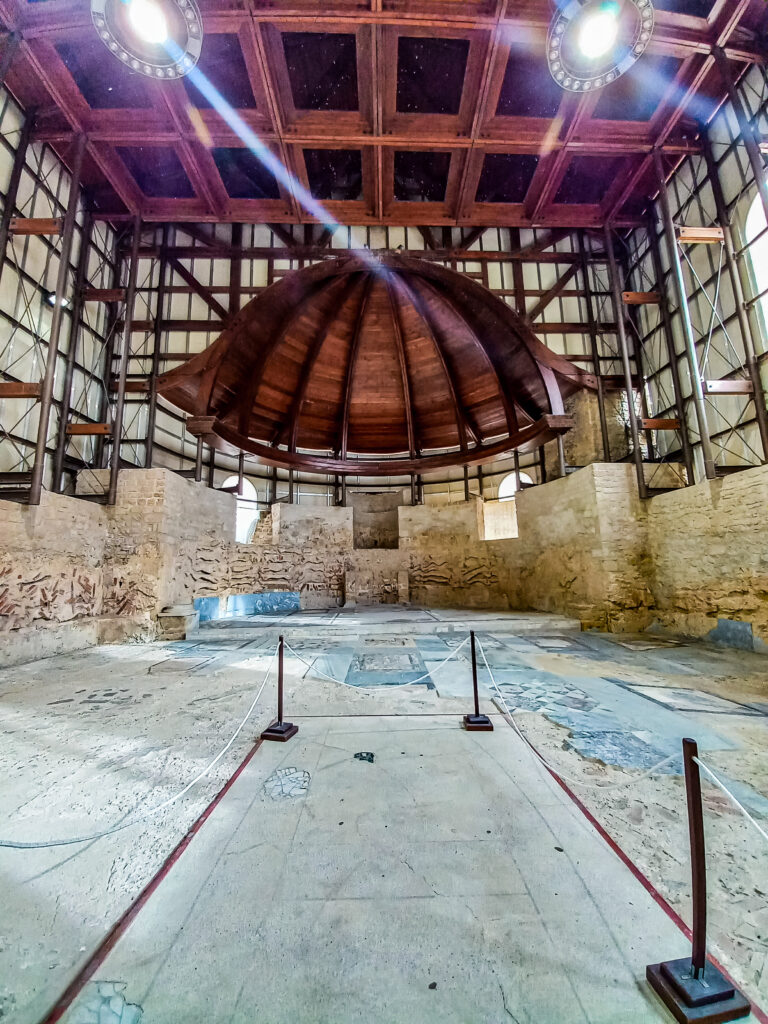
646 883
105 947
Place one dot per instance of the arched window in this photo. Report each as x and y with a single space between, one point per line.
757 240
247 513
508 486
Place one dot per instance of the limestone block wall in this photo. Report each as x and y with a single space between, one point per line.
709 550
581 549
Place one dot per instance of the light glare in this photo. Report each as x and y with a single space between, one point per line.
148 21
599 32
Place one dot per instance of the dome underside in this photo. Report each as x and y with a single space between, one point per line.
353 360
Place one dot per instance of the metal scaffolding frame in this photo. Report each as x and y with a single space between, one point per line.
142 301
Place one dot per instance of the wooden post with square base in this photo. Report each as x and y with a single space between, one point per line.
280 730
476 722
691 988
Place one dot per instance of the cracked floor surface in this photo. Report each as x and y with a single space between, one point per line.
89 737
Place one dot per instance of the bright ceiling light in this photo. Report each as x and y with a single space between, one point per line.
148 21
598 33
591 43
158 38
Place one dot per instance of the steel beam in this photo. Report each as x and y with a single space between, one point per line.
74 340
9 209
46 398
117 422
621 330
669 338
685 316
746 127
157 344
593 344
738 293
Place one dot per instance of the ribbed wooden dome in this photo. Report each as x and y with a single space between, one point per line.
375 365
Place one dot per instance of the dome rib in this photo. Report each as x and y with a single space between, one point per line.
460 414
375 361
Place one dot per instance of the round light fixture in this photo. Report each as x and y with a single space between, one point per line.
157 38
591 43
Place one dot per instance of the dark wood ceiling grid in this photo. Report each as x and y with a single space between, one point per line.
468 79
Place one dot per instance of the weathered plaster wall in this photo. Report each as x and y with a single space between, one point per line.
374 519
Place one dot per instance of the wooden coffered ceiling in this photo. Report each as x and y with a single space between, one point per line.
428 112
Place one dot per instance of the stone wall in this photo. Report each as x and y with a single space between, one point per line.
695 561
709 551
581 549
74 572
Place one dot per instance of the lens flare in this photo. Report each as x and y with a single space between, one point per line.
599 32
148 21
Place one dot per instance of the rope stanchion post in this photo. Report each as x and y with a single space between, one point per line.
691 988
280 730
476 722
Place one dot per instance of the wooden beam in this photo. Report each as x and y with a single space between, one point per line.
88 429
36 225
699 235
728 387
641 298
656 424
290 429
200 289
343 445
14 389
284 235
404 376
104 294
552 293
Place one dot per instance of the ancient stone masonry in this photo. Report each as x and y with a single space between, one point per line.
694 561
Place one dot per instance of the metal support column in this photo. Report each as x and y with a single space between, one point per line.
74 341
211 466
199 461
738 293
594 347
46 398
12 41
291 486
466 483
9 210
669 338
746 127
117 422
685 315
621 330
516 461
240 472
273 486
157 343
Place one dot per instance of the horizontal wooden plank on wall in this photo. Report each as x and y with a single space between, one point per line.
728 387
87 429
660 424
641 298
19 389
700 235
36 225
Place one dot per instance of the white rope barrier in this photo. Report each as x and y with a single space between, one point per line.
729 794
15 845
555 771
411 682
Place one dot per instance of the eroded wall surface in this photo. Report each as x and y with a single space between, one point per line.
693 561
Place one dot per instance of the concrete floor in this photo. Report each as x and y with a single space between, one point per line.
451 860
